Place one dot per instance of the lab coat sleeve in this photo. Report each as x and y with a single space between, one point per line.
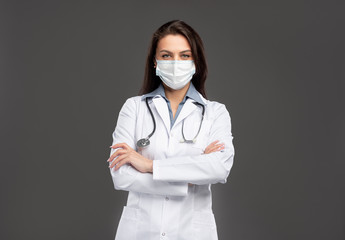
127 178
206 168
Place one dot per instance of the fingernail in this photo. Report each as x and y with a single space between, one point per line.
110 146
108 159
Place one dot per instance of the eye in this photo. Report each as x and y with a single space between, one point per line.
165 55
185 56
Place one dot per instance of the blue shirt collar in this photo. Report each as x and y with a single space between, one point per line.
191 93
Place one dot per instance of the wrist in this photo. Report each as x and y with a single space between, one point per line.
151 166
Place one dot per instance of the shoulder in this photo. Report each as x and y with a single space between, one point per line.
216 110
132 101
131 104
215 106
212 105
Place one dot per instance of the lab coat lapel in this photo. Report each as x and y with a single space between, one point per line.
187 109
163 111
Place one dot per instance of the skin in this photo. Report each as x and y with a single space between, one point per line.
170 47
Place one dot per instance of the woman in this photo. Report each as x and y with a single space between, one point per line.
171 144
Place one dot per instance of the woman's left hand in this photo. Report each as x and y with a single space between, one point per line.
125 154
214 147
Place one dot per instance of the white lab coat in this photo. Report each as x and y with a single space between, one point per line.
162 204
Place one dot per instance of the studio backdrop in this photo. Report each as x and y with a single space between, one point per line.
67 67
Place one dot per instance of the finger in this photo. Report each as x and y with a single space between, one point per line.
116 153
222 146
121 145
123 162
218 146
215 148
211 151
213 143
117 160
120 158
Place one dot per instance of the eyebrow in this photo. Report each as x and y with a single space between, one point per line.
171 52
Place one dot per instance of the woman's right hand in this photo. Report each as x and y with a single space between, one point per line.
214 147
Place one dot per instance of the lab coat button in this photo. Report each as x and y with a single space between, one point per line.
163 234
166 198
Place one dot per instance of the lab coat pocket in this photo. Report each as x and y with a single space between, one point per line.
128 225
204 226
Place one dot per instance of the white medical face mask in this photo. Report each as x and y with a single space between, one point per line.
175 73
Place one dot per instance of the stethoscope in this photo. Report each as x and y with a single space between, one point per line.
144 142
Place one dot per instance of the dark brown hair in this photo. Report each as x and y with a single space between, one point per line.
151 81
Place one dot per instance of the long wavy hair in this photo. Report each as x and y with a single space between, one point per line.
151 81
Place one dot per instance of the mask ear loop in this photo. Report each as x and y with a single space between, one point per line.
155 62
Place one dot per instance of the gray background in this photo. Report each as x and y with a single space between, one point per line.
68 66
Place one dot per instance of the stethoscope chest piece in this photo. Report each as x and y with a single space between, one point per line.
142 143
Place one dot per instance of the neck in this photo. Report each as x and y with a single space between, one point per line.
176 96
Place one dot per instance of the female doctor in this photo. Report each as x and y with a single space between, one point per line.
170 144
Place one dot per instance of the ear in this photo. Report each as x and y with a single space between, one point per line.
154 63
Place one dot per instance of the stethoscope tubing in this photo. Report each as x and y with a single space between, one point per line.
202 119
144 142
153 119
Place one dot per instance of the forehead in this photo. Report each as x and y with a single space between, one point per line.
173 43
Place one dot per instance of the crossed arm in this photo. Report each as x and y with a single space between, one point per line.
133 172
125 154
